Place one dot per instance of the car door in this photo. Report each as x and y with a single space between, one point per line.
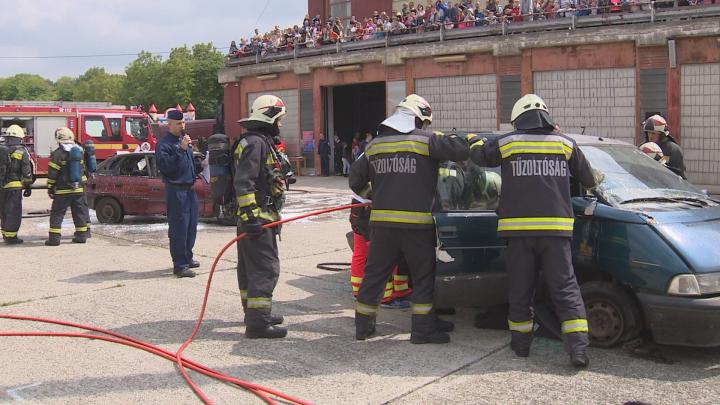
132 183
470 267
155 188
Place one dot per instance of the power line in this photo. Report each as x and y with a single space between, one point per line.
104 55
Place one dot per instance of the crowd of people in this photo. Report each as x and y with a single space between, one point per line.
412 18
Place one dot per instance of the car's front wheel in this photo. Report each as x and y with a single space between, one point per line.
109 211
612 313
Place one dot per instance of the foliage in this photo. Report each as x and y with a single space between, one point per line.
187 75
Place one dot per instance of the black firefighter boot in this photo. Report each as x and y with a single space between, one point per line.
520 343
274 319
79 237
364 326
53 240
443 325
13 241
424 330
259 326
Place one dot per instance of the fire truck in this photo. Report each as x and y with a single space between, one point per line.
112 129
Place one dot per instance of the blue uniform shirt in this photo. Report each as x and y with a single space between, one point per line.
176 165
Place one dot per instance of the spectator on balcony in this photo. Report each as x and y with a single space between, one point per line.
480 19
442 7
583 8
469 20
397 27
448 24
233 51
452 12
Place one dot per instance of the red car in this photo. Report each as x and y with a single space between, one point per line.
130 184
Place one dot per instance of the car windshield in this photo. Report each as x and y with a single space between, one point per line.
135 126
630 175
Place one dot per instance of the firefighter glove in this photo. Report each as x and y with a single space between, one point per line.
252 228
27 192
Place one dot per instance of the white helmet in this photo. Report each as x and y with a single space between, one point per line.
653 150
419 106
266 109
64 135
492 186
527 103
656 123
15 130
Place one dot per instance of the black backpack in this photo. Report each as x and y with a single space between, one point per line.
220 160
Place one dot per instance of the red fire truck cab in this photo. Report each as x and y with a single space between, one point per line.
111 129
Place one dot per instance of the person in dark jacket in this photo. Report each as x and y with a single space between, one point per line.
179 169
324 152
535 215
259 189
656 130
337 154
66 181
401 164
17 179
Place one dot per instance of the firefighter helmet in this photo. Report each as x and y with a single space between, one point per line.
15 130
64 135
419 106
653 150
491 189
656 123
528 102
266 109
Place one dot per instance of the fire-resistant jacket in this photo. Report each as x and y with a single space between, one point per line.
20 171
536 168
403 171
58 180
255 161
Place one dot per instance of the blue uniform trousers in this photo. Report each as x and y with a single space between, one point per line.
182 216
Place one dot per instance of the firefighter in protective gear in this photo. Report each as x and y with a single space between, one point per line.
656 130
18 177
397 287
66 181
402 165
259 189
654 151
535 216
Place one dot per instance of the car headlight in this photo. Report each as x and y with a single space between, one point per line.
695 285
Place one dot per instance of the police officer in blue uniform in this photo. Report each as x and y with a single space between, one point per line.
174 156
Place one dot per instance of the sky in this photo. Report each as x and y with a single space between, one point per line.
100 27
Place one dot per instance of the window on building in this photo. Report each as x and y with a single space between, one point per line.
340 8
509 94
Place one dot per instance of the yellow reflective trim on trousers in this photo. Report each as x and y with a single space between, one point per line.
421 309
246 200
404 217
243 294
419 148
54 166
522 327
574 325
16 155
81 229
364 309
536 224
259 303
69 191
13 184
51 181
8 234
55 230
357 280
388 292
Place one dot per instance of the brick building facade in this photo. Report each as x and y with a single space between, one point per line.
603 80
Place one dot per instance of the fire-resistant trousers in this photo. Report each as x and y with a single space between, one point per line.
388 247
258 270
60 204
10 212
525 257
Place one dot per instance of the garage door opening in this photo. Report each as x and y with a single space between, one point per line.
354 110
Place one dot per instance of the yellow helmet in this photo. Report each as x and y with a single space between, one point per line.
266 109
15 130
419 106
527 103
64 135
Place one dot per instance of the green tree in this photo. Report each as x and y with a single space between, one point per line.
97 85
176 79
207 92
65 88
26 86
142 80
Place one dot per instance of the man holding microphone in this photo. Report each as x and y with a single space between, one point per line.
179 170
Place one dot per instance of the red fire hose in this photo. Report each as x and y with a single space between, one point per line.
263 393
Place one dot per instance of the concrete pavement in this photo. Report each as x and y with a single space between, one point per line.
121 280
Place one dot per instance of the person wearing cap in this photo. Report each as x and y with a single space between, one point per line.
535 216
65 182
179 169
259 190
401 164
17 176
